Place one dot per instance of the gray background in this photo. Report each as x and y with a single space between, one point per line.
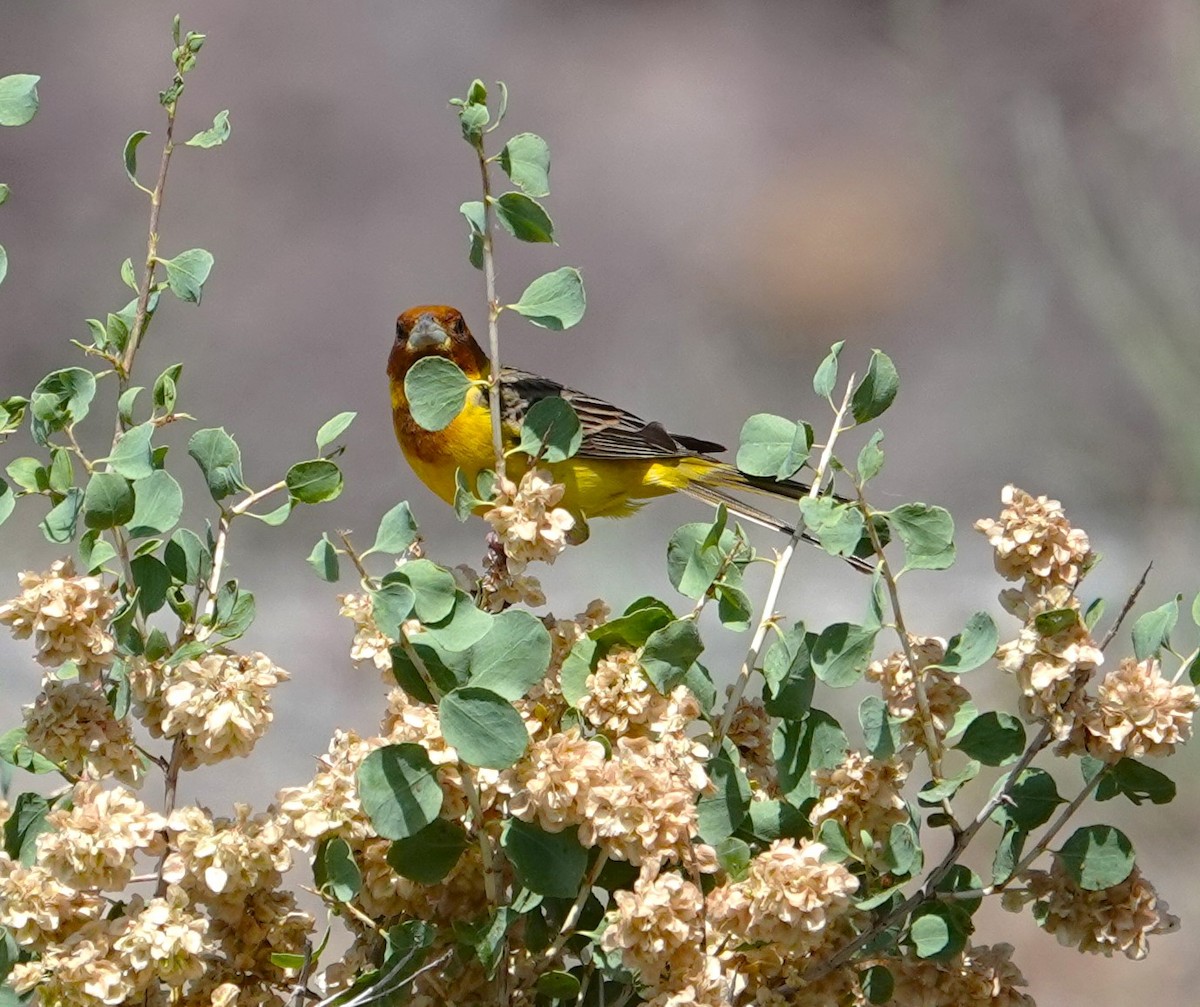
1001 195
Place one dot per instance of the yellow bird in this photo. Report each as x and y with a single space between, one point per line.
623 461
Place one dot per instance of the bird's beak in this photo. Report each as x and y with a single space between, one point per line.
428 334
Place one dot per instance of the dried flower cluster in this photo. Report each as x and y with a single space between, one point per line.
73 725
944 693
528 521
1114 919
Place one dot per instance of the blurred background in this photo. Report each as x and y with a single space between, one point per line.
1000 195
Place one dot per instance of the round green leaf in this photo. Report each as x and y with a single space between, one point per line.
669 652
994 738
513 656
876 390
333 429
436 390
802 746
721 813
1032 800
108 501
159 504
825 377
215 135
219 459
324 560
129 154
973 647
548 863
842 652
431 854
877 983
432 587
8 501
554 301
1152 631
939 930
551 431
399 790
1097 857
315 481
335 871
18 98
131 454
558 986
524 218
60 399
927 533
483 726
765 443
188 272
397 530
526 160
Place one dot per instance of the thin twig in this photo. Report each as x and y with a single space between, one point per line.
1125 609
489 275
781 565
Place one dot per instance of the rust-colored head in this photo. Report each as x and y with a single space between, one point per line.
434 330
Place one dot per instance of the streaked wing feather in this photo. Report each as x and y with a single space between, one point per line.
608 430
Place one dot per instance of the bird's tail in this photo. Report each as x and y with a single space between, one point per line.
722 477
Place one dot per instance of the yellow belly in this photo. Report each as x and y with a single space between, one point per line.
595 487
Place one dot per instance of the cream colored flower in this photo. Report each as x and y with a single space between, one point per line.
528 520
621 700
1051 671
219 704
72 724
66 615
659 930
751 731
1137 713
38 909
162 940
643 808
266 922
82 971
981 976
862 794
501 585
225 858
369 643
1120 918
329 804
784 905
1034 541
551 783
92 845
898 683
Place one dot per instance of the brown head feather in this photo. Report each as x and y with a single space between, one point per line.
459 345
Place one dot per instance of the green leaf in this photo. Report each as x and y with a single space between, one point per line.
433 588
842 652
825 378
483 727
127 275
131 455
8 501
691 565
973 647
399 790
447 668
526 160
939 930
558 985
513 656
108 501
994 738
788 672
870 458
1008 853
720 814
474 213
314 482
391 604
551 431
802 746
3 263
431 854
880 731
397 530
129 155
1152 631
1033 799
187 558
158 504
219 459
837 526
166 389
1054 621
927 533
934 793
59 525
153 580
1135 781
1097 857
463 627
774 819
28 473
335 871
4 191
333 429
734 607
669 652
877 984
436 390
554 301
214 136
25 823
548 863
187 274
877 390
126 401
473 118
15 750
773 447
524 218
323 559
18 98
61 399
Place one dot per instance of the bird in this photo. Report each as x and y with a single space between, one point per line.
623 462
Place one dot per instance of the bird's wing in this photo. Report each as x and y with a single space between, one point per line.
608 431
